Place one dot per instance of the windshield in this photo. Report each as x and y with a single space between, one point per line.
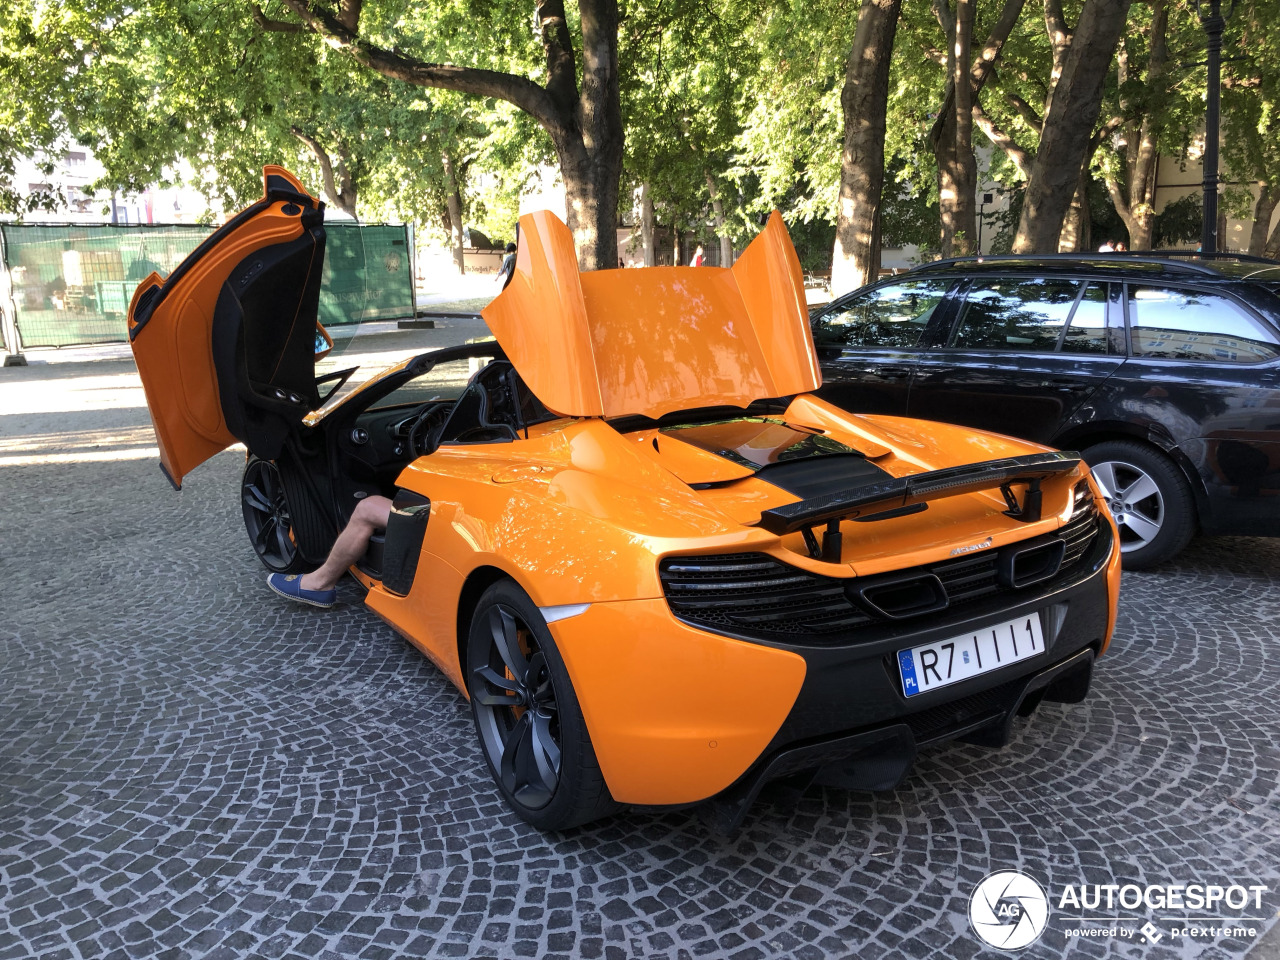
373 346
444 381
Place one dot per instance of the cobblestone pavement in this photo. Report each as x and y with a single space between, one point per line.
190 767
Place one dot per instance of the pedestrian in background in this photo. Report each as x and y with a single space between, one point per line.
508 268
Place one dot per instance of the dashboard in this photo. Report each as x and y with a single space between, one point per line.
384 440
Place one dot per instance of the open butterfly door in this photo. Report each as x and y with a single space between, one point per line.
226 344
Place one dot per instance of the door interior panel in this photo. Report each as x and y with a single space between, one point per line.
264 341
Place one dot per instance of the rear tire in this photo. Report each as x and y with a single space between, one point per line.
1149 498
527 716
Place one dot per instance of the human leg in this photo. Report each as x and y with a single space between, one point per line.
370 516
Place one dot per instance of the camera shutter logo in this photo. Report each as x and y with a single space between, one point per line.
1008 910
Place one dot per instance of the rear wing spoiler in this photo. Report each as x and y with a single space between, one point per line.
909 494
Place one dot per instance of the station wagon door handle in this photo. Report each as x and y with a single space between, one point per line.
891 373
1063 384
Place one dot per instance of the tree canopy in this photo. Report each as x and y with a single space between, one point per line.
696 116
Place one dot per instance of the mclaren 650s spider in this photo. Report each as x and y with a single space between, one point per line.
660 569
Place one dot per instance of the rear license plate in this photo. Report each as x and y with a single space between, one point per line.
945 662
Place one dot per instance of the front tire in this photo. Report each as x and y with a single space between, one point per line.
527 716
1149 498
268 519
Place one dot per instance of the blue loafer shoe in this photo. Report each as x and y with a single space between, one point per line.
290 585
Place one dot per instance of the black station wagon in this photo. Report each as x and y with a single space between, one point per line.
1162 370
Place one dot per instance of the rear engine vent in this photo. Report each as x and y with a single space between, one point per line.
755 595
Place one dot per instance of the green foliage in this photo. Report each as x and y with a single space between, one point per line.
908 214
813 240
748 96
788 150
1180 223
683 64
39 57
187 90
1251 95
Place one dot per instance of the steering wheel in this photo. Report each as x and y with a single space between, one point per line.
425 432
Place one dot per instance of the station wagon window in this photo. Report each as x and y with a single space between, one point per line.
1021 315
1192 325
890 316
1088 332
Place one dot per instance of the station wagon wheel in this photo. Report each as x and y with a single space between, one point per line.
1134 500
1148 497
267 517
527 717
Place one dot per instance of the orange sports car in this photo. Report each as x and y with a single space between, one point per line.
660 569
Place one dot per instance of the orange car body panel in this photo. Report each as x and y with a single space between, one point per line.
1113 567
619 342
676 714
173 352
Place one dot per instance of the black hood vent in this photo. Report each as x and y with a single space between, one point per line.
802 461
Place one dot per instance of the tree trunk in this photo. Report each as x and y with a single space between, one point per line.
952 166
453 199
949 179
966 164
595 136
1144 228
864 100
338 186
1068 125
591 203
1262 212
1075 226
1136 203
717 214
1272 249
1086 212
956 164
957 183
646 224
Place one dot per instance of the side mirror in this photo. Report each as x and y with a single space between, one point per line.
324 342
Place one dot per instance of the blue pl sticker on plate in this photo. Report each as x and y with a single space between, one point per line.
908 666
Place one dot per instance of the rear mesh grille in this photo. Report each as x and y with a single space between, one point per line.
943 720
757 596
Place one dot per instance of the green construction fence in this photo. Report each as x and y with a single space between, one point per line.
72 283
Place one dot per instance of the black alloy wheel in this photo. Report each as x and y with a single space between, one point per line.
527 716
517 710
267 518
